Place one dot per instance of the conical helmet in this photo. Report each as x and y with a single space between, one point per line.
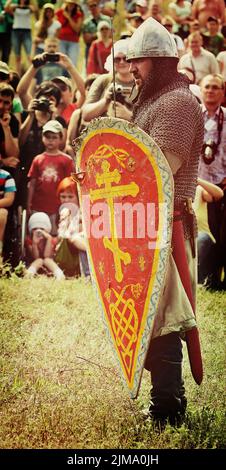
151 39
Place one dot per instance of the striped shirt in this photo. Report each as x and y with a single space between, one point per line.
7 183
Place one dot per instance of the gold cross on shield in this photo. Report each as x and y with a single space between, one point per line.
109 192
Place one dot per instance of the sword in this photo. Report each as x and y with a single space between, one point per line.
113 66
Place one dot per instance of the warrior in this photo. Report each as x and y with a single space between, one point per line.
167 111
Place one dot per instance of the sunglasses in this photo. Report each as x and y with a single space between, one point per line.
117 60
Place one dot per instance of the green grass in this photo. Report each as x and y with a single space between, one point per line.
60 386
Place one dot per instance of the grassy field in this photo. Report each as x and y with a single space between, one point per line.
60 387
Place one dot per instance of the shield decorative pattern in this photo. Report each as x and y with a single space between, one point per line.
126 196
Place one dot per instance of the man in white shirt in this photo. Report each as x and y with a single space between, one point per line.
201 61
212 165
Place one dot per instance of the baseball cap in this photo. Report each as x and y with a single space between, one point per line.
4 68
62 79
48 5
52 126
142 3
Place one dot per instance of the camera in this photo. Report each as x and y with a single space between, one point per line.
41 59
38 233
51 57
209 150
121 93
42 104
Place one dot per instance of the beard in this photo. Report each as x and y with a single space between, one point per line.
164 74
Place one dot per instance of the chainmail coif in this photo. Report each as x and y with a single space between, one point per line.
171 115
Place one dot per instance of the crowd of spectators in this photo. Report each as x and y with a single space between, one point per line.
56 75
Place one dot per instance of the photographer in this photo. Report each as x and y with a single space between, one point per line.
48 69
100 99
60 63
212 165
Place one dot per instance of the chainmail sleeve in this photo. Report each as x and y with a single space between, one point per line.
173 118
174 123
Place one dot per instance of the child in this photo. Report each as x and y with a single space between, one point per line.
71 250
46 171
41 246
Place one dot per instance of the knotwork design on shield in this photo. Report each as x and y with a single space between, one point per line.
126 195
125 324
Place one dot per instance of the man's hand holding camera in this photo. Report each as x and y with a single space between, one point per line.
38 61
65 61
32 106
43 105
117 108
51 57
108 95
41 59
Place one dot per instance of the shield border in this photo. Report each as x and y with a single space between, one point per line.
156 156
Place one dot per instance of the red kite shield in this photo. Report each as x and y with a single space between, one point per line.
126 195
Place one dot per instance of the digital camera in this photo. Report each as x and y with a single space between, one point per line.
209 150
41 59
51 57
39 233
121 93
42 104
